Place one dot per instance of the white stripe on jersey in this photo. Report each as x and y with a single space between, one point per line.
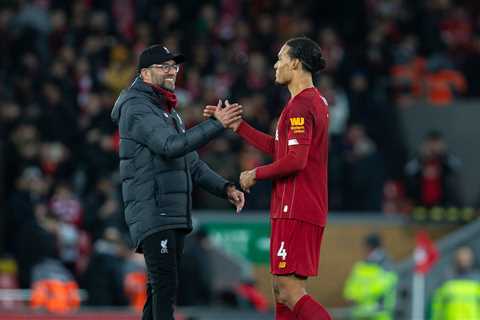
324 100
292 142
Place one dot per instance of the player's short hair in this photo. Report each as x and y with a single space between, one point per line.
308 52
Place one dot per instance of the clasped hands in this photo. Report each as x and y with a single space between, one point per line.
230 117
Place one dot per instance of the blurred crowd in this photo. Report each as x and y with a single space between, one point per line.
63 63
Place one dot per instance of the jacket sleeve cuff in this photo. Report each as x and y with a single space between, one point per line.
226 186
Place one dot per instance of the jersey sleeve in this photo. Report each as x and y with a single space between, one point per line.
300 124
258 139
295 160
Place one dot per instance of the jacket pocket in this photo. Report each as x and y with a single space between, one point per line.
171 182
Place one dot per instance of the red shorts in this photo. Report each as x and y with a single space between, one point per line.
295 247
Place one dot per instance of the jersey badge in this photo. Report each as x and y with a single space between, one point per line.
297 124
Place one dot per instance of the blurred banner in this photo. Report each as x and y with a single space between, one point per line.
248 240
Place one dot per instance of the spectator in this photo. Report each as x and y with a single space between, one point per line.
339 108
121 70
57 121
371 285
56 161
102 208
103 278
431 177
442 82
339 111
135 281
365 172
195 283
8 280
407 72
35 241
66 206
459 296
464 265
54 289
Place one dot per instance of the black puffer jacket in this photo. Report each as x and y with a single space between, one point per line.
158 162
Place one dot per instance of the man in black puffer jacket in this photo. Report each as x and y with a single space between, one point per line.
158 168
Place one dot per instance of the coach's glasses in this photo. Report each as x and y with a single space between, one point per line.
166 67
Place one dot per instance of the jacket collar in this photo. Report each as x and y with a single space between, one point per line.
139 85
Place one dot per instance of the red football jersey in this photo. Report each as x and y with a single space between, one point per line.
303 196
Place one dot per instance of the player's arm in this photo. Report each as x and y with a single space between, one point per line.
256 138
300 127
293 162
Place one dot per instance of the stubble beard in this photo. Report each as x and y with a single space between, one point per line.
168 85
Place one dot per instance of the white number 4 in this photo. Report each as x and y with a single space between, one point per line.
282 252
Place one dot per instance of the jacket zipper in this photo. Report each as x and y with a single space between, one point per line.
177 125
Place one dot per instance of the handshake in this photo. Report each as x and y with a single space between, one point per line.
230 116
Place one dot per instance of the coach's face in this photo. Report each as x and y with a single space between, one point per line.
283 66
163 75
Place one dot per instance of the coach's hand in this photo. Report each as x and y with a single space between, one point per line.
236 197
226 115
209 111
248 179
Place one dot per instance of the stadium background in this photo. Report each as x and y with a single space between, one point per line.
398 71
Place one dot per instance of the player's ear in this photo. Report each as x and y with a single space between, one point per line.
296 64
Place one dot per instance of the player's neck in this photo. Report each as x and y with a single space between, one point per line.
298 84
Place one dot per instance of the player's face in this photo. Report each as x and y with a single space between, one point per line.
163 74
283 68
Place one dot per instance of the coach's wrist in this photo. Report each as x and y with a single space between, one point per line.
226 189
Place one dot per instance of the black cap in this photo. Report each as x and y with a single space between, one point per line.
157 54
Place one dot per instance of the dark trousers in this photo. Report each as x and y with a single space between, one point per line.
162 252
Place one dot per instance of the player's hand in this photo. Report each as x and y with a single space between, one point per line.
229 114
248 180
234 125
236 197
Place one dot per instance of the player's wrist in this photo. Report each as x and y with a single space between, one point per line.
240 126
237 125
